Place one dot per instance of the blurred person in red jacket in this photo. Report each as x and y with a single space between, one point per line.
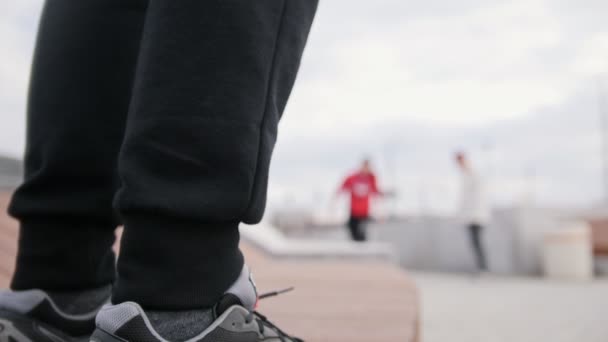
361 185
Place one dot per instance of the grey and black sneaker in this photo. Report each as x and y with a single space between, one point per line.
233 320
34 316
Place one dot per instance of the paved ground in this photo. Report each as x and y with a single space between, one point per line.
493 309
334 301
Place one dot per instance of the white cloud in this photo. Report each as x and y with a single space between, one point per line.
592 58
423 76
551 155
494 61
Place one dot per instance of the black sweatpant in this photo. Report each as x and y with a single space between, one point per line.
161 115
475 235
358 228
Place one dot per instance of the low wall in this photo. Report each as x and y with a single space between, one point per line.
512 241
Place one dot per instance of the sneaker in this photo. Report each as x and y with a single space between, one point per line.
33 316
234 320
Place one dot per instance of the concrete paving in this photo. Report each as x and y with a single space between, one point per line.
336 299
272 241
499 309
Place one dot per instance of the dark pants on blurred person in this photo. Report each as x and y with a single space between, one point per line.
160 115
358 228
475 234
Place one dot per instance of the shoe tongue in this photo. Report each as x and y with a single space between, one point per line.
226 302
242 292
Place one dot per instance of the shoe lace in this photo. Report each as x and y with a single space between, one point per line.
264 323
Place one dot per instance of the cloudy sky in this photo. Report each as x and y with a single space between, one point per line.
515 82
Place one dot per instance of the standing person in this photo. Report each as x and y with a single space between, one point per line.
473 208
361 186
161 115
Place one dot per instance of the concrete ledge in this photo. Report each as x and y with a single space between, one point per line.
337 300
271 241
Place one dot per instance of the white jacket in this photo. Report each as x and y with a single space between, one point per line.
474 207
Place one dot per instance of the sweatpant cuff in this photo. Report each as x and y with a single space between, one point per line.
64 256
174 264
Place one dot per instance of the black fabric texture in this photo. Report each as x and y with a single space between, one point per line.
33 329
226 302
136 330
223 335
180 268
79 96
63 256
81 302
180 325
44 312
102 336
162 115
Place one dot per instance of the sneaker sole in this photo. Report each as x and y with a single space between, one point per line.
19 328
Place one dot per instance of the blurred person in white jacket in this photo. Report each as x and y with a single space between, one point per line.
474 209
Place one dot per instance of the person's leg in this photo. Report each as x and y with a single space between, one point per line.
212 82
363 229
353 227
483 262
78 101
357 227
472 232
79 97
476 244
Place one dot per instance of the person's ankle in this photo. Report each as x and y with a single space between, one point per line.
183 325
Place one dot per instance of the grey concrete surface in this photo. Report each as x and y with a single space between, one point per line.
512 241
268 238
501 309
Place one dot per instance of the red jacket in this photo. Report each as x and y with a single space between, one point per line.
361 187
